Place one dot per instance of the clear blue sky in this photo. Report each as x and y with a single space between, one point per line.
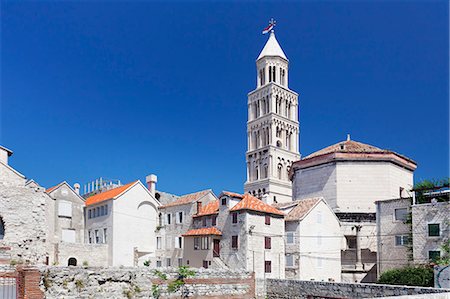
122 90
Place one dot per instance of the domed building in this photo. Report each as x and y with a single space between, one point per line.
351 176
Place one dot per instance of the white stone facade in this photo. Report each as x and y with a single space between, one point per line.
272 127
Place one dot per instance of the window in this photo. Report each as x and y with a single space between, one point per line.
90 213
158 243
289 260
401 214
168 262
205 243
267 266
169 219
205 264
214 220
267 242
106 209
434 255
68 235
267 220
102 210
97 236
433 230
179 242
289 238
2 229
98 211
204 221
196 243
401 240
270 74
160 220
234 242
234 218
104 236
180 262
180 217
351 242
224 201
90 237
65 208
158 264
280 170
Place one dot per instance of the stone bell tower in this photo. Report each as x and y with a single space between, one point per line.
272 127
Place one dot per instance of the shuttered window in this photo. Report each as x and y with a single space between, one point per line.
267 242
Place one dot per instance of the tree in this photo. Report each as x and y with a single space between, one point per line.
410 275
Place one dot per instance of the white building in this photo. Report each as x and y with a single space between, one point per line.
312 240
125 218
351 176
272 127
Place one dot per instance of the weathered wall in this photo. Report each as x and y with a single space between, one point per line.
277 288
95 255
22 209
77 282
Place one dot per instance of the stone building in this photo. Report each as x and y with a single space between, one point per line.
124 218
312 240
351 176
412 233
23 226
175 219
272 127
393 233
237 232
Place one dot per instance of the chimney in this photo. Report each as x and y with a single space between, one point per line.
76 187
151 183
4 154
199 206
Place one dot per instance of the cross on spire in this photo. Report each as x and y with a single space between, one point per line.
273 23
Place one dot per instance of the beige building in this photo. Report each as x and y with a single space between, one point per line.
312 240
237 232
174 220
351 176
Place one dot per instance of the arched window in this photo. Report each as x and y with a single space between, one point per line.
256 173
273 74
280 170
276 104
270 74
2 229
257 109
279 105
72 261
265 171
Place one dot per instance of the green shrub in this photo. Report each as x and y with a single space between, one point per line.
412 276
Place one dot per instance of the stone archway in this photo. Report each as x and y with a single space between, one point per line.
72 261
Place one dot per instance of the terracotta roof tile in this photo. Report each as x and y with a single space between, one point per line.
249 202
48 190
301 208
209 209
109 194
232 194
204 231
348 146
185 199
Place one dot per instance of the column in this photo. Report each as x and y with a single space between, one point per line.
358 264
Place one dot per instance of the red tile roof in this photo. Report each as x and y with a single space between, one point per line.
204 231
185 199
232 194
209 209
48 190
301 208
249 202
109 194
348 146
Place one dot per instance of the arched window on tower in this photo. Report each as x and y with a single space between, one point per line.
283 76
256 173
257 108
289 110
2 229
276 104
279 105
280 171
270 74
268 136
273 74
288 140
267 104
265 171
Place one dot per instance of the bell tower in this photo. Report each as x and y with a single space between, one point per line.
272 127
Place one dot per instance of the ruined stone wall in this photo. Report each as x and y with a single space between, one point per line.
79 282
277 288
22 209
95 255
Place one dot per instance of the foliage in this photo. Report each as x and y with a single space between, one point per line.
445 256
147 263
176 285
410 275
79 284
85 263
431 185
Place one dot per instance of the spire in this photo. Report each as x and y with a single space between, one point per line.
272 48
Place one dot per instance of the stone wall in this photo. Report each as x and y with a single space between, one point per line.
277 288
23 212
94 255
79 282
